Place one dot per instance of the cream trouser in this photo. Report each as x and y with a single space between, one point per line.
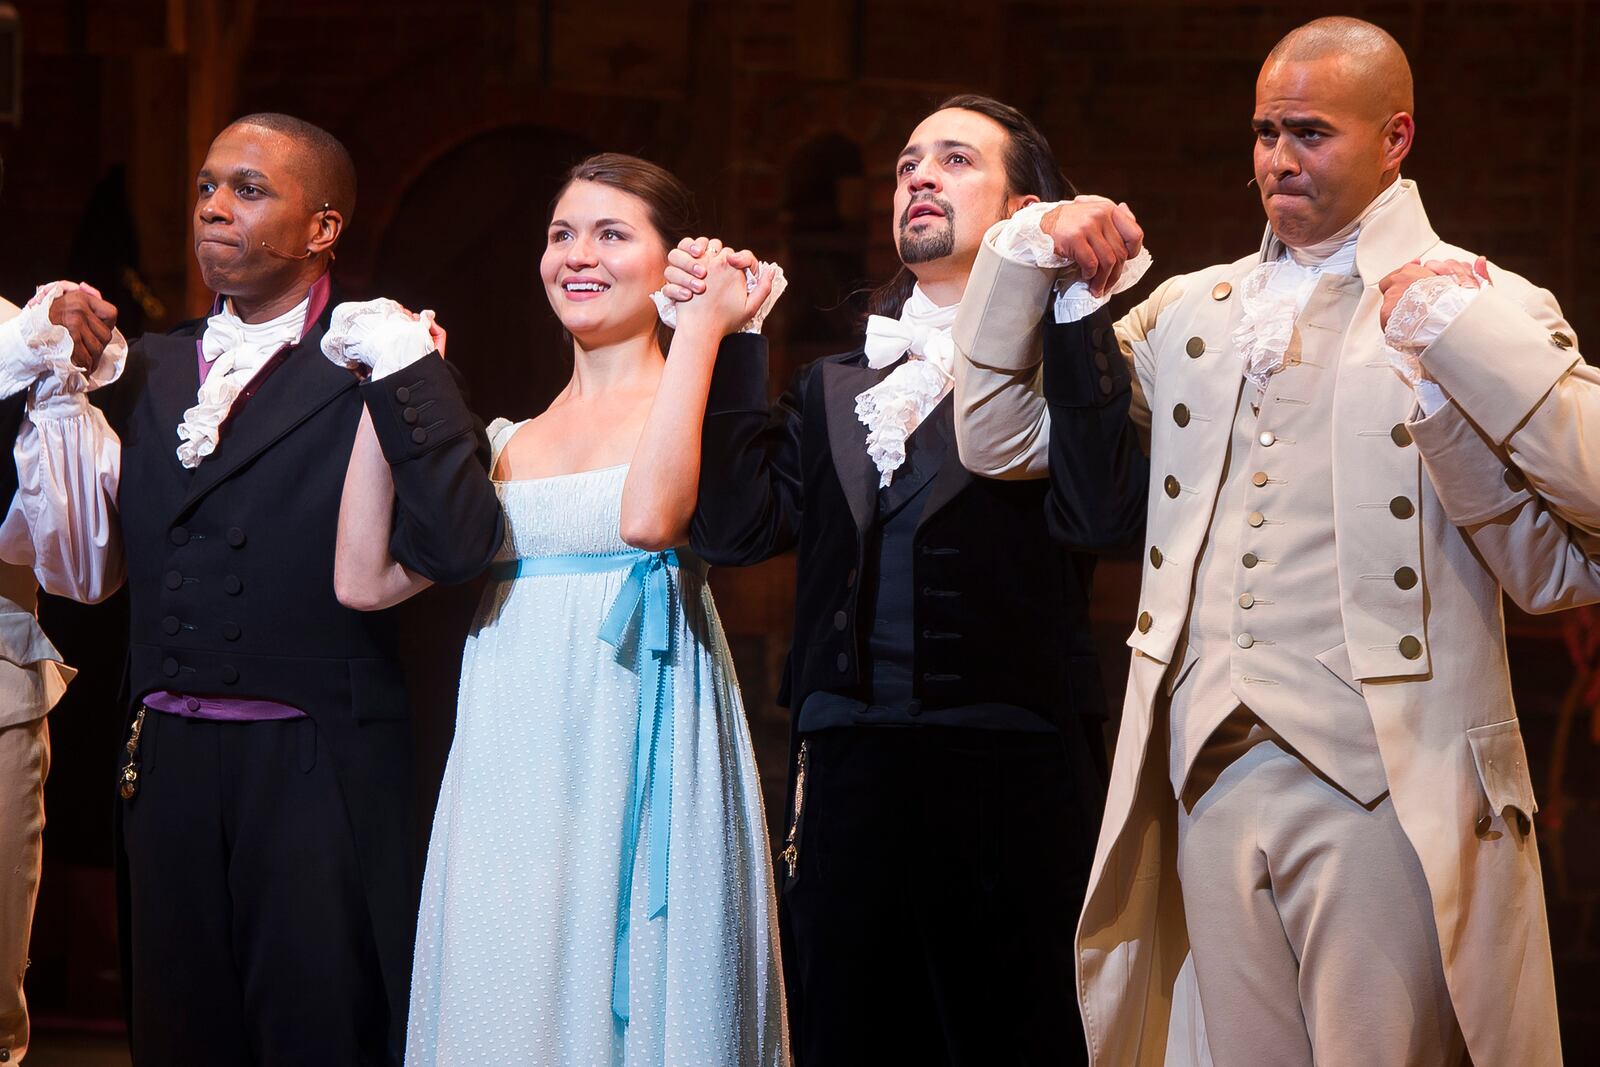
1310 921
24 762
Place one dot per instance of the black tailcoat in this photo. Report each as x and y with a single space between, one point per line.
230 568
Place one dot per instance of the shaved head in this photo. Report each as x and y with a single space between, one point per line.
1373 61
321 161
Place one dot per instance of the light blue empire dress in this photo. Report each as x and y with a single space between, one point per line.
570 758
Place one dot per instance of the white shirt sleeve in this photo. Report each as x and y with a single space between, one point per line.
1426 307
378 335
1023 240
63 520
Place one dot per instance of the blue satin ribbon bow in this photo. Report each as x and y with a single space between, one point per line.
642 606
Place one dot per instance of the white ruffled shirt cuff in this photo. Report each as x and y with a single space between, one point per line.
1023 240
35 350
376 335
1426 308
667 308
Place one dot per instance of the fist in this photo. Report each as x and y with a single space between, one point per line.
1396 282
1097 235
89 320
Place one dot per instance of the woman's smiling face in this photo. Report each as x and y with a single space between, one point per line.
602 260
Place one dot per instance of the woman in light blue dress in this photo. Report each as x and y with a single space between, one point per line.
598 887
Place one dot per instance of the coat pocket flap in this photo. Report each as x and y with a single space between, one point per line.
1503 766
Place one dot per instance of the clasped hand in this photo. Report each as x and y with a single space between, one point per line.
89 319
1396 282
708 283
1097 235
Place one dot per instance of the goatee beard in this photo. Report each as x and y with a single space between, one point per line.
931 244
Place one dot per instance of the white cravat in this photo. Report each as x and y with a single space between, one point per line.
1275 292
896 406
236 350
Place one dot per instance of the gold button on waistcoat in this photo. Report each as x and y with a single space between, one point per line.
1196 347
1410 647
1247 601
1180 414
1255 518
1221 291
1171 486
1258 479
1155 557
1250 560
1401 508
1400 435
1561 340
1405 578
1245 640
1144 622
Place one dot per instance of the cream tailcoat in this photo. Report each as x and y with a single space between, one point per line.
1447 732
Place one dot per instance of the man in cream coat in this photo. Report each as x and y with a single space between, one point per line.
1320 786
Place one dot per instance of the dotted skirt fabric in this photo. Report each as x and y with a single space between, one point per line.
516 935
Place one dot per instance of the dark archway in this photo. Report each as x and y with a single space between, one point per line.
466 242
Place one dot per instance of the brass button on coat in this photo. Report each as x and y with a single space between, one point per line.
1221 291
1155 557
1401 508
1405 578
1410 647
1245 641
1561 340
1400 435
1196 347
1250 560
1171 486
1258 479
1247 601
1255 518
1180 414
1145 621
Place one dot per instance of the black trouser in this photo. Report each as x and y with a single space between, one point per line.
939 877
250 933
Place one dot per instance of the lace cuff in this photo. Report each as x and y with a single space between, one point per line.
378 335
34 349
667 308
1426 307
1023 240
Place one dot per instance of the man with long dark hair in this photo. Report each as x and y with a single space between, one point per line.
947 766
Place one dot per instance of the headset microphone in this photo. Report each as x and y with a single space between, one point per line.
285 255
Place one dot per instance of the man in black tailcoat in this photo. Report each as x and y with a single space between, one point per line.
947 763
268 895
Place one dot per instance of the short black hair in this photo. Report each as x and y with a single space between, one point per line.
332 173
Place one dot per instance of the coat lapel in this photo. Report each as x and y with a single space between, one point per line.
302 385
174 384
847 437
938 447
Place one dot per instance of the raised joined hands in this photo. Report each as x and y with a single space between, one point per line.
89 319
707 280
1099 236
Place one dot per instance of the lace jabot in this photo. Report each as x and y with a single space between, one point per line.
896 406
